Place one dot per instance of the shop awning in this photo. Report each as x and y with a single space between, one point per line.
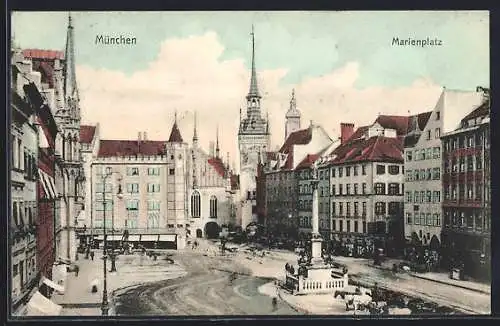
149 237
114 237
100 237
41 306
48 184
58 288
133 237
59 273
167 237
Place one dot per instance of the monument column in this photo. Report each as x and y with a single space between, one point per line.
316 240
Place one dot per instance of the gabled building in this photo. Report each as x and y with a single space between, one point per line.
423 166
366 180
466 166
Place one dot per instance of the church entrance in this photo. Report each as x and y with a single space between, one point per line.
199 233
212 230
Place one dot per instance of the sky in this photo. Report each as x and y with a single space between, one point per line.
343 66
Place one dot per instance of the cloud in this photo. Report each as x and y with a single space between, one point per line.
189 75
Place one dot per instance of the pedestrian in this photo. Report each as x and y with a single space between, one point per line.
93 285
77 269
92 255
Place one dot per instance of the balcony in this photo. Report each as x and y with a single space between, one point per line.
471 203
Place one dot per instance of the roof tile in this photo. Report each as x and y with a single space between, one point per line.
87 134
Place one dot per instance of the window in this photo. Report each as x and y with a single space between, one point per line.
428 196
438 115
417 197
393 169
363 188
422 196
341 226
195 204
99 206
348 209
422 174
333 208
409 174
437 133
428 174
153 220
213 207
171 171
153 171
348 171
417 219
428 135
355 170
469 191
348 189
422 154
479 191
333 172
409 156
462 164
333 190
393 208
379 208
133 204
153 205
429 153
340 172
436 152
321 175
356 209
436 173
479 163
355 188
437 219
363 169
380 188
132 187
340 189
153 187
341 209
363 209
408 218
436 196
132 171
428 220
408 197
416 175
380 169
393 189
470 163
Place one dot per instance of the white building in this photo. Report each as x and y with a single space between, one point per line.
423 181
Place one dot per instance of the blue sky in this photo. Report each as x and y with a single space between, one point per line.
342 65
308 44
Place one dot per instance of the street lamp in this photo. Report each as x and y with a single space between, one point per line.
105 303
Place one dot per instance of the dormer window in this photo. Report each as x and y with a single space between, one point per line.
438 115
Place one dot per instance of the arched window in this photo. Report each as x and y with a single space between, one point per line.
213 206
195 204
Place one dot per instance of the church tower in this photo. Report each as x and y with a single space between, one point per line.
253 138
292 117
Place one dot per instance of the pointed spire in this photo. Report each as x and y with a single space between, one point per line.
175 134
70 86
293 102
195 134
254 89
217 149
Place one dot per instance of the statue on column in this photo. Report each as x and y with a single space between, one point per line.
315 171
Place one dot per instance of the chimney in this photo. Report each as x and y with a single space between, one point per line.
346 131
144 136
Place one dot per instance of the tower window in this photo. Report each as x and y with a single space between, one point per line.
195 204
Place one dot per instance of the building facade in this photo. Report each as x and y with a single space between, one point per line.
466 234
24 176
423 166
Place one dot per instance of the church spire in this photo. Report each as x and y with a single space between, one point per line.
70 87
217 149
195 134
254 89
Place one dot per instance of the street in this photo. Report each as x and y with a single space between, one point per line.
205 290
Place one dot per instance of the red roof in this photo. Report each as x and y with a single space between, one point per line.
43 54
377 148
175 134
307 161
218 165
299 137
481 111
109 148
86 134
397 122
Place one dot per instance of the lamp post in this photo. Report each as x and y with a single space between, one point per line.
105 303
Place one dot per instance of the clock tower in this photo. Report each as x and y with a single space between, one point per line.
253 139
